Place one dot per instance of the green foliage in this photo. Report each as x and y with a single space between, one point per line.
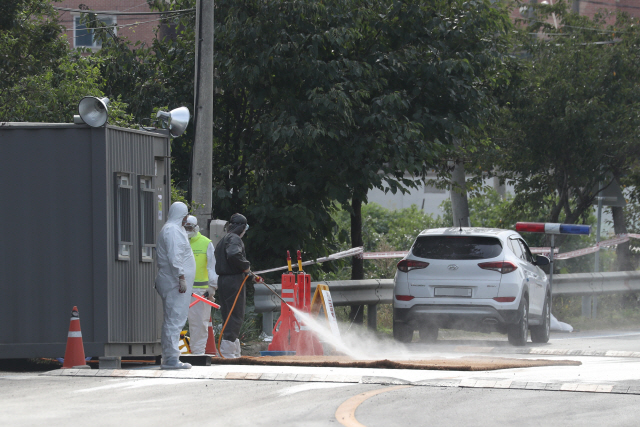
383 230
30 41
177 194
53 95
316 103
320 102
615 311
486 209
41 79
570 117
147 77
395 228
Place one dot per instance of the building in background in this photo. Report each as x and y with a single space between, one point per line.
132 27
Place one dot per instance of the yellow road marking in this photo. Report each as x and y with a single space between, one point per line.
346 413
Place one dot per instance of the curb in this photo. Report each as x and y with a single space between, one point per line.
548 352
354 379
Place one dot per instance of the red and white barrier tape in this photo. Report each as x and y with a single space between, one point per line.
383 255
344 254
541 251
592 249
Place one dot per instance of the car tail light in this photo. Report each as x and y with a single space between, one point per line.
502 267
505 299
404 297
406 265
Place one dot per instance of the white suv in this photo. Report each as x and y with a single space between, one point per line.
475 279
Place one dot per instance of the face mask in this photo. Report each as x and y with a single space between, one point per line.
193 232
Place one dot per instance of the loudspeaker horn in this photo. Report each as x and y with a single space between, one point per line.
175 120
93 111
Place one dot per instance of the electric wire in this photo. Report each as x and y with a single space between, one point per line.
618 6
111 27
104 12
573 26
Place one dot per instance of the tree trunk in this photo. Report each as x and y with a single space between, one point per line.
356 314
622 251
458 195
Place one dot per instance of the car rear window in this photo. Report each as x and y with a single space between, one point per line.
457 247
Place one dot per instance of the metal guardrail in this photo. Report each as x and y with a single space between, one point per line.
380 291
343 292
596 283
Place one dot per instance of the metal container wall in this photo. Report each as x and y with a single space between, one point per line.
133 314
59 244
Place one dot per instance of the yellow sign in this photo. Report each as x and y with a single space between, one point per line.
322 299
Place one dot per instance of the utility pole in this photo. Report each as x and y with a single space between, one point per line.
202 155
458 193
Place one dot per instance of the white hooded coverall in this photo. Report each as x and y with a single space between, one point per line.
175 258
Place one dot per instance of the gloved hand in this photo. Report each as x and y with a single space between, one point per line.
211 291
182 285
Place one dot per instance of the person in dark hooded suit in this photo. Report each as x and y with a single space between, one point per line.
231 267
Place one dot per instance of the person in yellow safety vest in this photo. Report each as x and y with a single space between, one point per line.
206 281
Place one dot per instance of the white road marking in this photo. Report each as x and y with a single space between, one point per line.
309 386
146 382
580 337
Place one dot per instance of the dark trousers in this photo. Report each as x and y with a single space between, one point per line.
228 286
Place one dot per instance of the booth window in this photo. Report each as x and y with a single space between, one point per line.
147 218
123 215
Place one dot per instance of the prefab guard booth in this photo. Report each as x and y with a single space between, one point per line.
81 209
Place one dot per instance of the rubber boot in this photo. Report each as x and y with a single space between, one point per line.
228 349
238 349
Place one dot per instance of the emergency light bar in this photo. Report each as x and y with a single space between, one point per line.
551 228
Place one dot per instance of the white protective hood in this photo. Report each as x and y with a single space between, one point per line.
175 258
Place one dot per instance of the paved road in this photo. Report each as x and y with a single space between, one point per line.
604 390
62 401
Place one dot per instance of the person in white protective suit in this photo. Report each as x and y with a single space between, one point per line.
206 282
174 282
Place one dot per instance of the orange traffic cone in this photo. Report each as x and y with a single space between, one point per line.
74 354
211 341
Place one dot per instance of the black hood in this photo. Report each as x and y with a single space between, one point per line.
237 224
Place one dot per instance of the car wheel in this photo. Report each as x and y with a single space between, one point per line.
402 332
540 334
518 332
428 333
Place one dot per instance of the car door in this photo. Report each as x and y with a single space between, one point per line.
530 273
537 289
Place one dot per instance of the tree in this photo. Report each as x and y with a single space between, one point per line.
571 116
30 41
318 102
41 78
148 78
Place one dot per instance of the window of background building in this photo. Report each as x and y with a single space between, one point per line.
84 36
